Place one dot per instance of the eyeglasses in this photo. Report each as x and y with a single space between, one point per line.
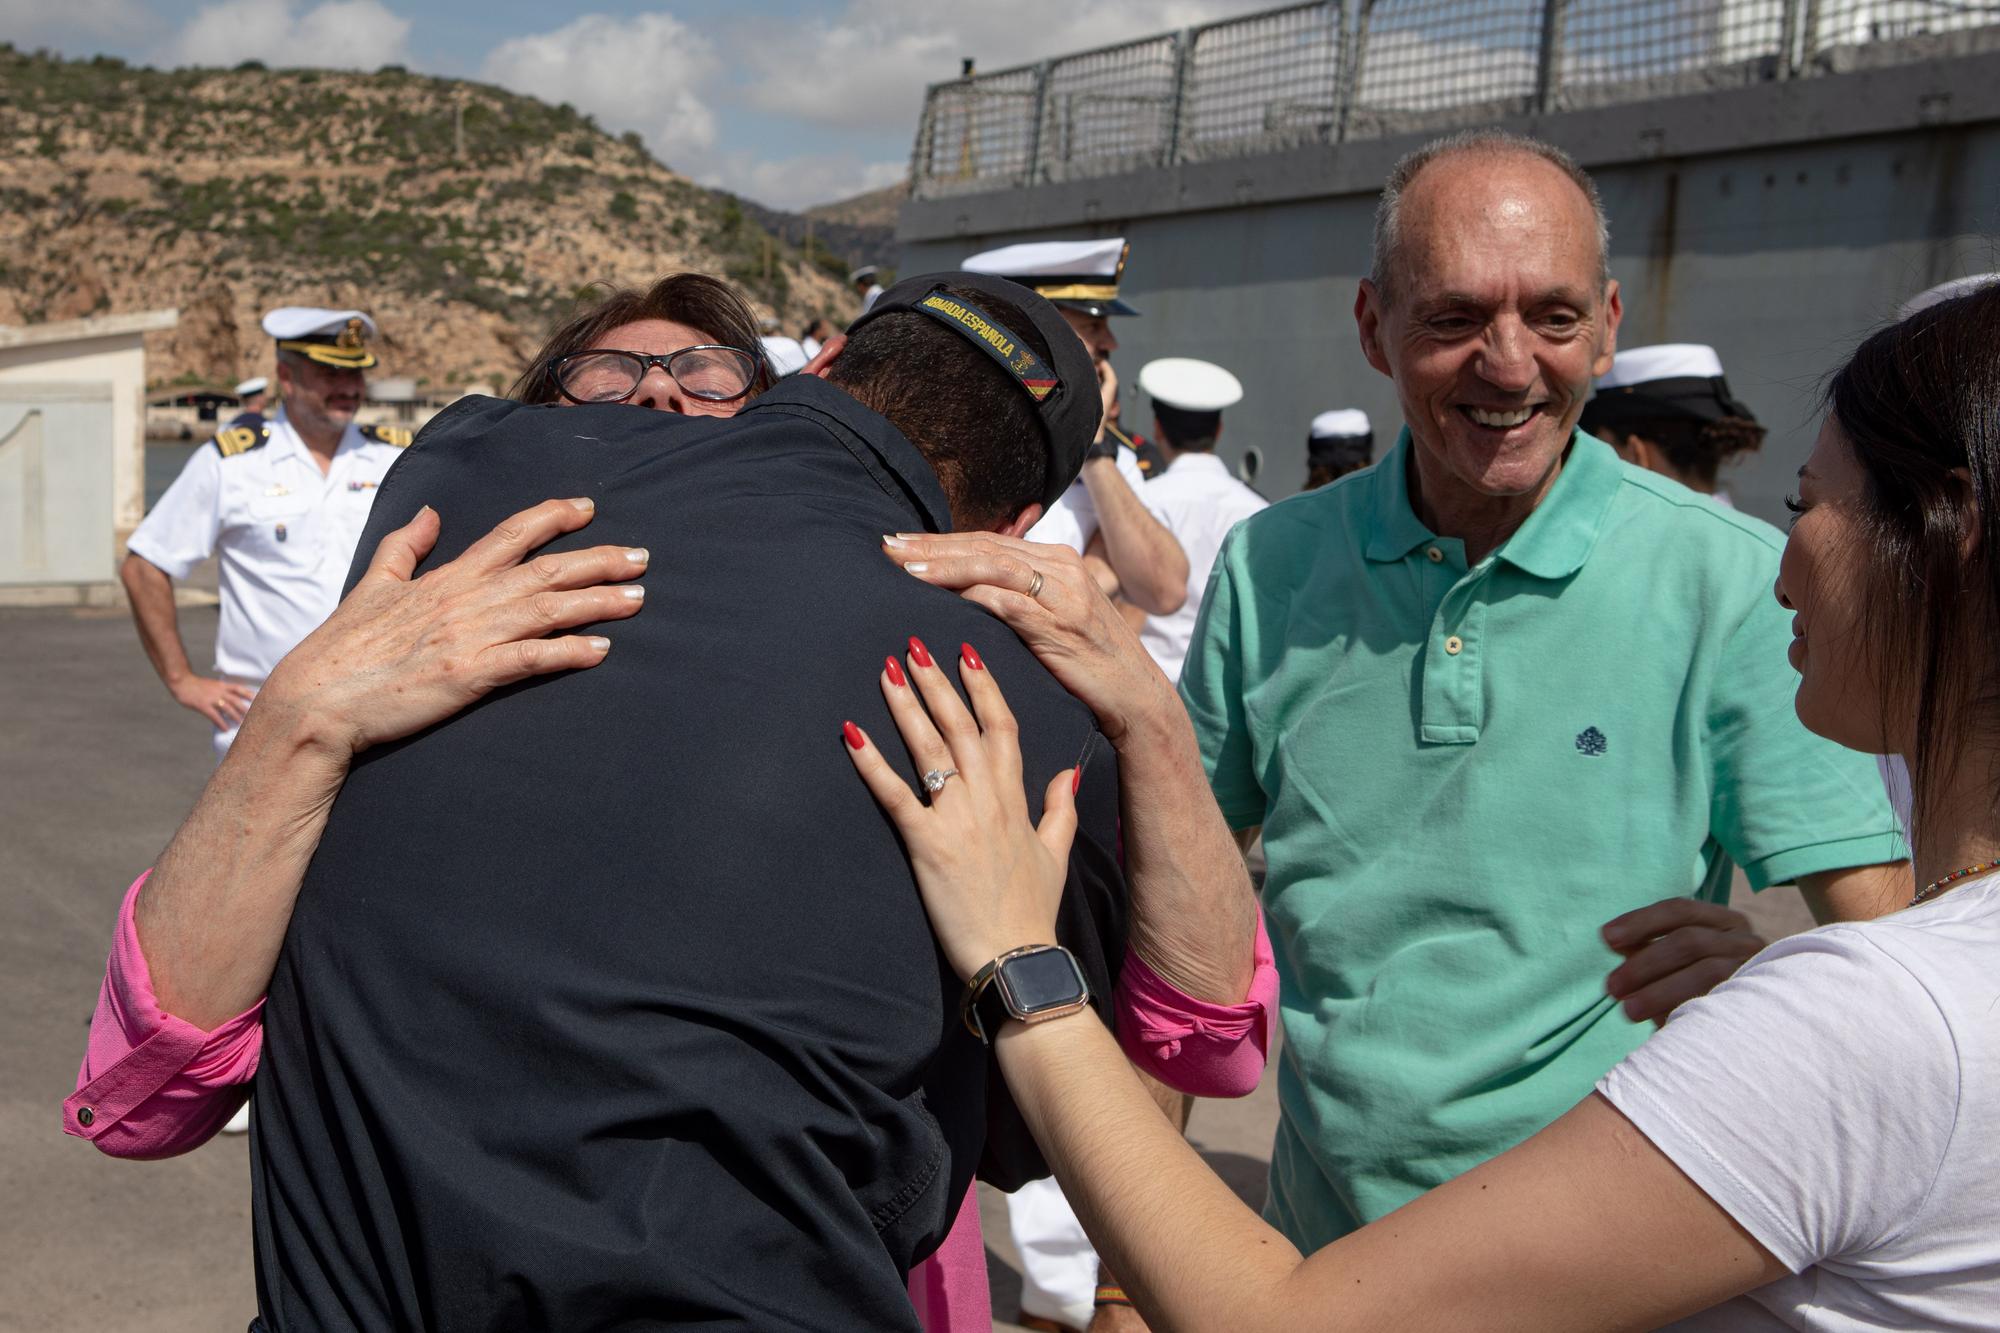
709 371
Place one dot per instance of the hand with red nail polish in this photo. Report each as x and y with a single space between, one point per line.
991 880
895 672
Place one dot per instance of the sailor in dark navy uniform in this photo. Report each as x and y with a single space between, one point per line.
282 501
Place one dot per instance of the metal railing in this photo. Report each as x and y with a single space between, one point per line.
1354 69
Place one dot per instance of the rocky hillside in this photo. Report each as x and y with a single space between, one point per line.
466 219
860 230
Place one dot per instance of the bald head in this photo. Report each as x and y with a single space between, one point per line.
1483 177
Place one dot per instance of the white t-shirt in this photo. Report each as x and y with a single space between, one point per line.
1840 1098
1199 502
1072 520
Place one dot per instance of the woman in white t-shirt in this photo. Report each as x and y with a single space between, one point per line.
1813 1145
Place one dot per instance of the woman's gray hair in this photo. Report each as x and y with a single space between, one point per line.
1389 212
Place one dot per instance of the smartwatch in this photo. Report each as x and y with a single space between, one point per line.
1034 983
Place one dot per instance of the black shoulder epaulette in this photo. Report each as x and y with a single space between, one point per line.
396 437
242 439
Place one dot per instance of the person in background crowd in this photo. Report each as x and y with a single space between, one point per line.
863 281
1813 1145
785 356
1195 497
1556 674
1103 516
1132 555
1668 409
814 335
1337 443
1152 460
251 395
283 502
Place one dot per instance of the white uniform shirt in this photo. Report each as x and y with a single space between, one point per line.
1840 1098
1199 502
869 297
286 536
1072 520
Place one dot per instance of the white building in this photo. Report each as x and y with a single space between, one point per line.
72 453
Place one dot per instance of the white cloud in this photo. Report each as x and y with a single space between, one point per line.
800 182
647 73
337 34
867 68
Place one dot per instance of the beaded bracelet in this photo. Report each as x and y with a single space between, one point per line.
1109 1295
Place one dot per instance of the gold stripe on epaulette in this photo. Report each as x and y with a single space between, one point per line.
241 439
397 437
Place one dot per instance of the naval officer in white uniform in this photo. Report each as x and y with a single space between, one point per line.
283 502
1103 516
1195 497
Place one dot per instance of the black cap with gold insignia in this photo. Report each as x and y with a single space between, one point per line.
337 338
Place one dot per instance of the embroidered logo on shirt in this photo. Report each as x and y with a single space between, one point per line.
1590 741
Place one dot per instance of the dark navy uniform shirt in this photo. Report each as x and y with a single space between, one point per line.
611 1002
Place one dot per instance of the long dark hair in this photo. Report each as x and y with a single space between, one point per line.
1920 402
694 299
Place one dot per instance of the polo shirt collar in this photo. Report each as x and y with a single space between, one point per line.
1552 544
877 445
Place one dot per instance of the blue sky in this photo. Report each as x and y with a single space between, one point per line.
789 102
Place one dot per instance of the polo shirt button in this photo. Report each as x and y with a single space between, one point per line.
85 1116
1434 555
1453 644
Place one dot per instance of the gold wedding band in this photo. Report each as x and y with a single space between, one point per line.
1035 585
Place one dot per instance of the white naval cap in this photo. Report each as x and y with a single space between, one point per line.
1190 385
867 271
1945 291
787 356
304 321
1666 361
256 384
1343 423
1080 274
337 338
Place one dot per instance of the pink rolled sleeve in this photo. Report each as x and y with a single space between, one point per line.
152 1085
1193 1046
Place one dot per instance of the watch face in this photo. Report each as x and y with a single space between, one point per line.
1045 980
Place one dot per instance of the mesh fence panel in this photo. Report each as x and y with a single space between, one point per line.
1268 81
1421 56
1360 68
977 134
1609 43
1859 22
1109 110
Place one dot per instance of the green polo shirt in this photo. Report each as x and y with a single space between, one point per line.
1462 774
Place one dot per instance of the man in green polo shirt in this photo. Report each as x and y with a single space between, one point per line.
1490 695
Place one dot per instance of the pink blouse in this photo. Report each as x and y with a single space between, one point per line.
153 1086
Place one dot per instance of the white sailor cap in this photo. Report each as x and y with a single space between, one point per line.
1667 361
1945 291
255 384
867 271
1343 423
1190 385
786 356
336 338
1081 275
1668 382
